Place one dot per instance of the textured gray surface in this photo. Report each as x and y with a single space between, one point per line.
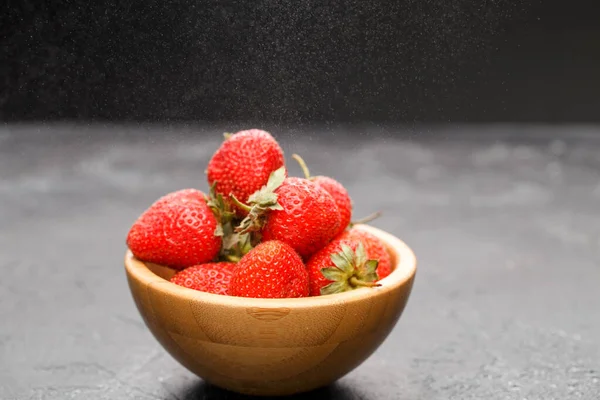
506 226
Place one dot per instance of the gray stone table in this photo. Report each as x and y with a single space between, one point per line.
505 221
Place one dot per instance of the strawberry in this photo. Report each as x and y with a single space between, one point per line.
210 277
270 270
177 230
309 217
243 163
341 266
293 210
374 247
335 189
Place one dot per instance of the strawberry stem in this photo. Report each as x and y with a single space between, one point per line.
227 135
302 165
354 281
240 204
366 219
232 258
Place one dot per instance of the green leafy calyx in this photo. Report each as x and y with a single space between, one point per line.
234 245
260 202
351 270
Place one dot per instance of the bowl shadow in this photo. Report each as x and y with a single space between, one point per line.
205 391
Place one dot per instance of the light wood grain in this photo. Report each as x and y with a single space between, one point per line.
271 346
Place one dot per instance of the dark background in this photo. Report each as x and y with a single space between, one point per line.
296 61
503 217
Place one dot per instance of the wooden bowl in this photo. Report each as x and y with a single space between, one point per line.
271 346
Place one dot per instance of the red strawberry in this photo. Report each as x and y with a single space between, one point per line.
336 190
308 220
270 270
177 230
341 266
340 196
374 247
210 277
243 163
293 210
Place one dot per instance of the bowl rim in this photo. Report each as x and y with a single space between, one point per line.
402 274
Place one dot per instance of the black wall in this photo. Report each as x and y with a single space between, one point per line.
297 61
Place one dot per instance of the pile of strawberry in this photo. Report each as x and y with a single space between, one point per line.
259 232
